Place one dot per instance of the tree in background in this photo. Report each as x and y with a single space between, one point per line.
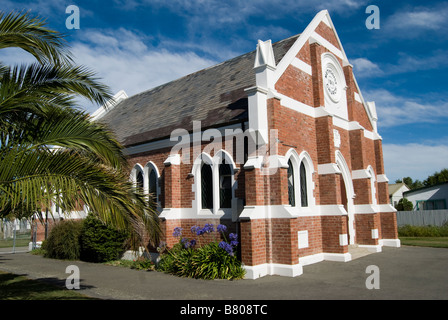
404 205
436 178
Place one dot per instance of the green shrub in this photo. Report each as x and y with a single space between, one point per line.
404 205
63 240
177 261
99 242
142 263
423 231
213 262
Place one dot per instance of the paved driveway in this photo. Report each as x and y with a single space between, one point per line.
404 273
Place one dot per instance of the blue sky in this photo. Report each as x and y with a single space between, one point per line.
403 66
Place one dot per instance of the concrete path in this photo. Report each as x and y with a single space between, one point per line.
404 273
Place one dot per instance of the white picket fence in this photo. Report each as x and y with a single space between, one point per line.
422 217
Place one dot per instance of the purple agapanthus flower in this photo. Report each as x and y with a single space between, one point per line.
208 227
227 247
195 229
177 232
233 237
221 228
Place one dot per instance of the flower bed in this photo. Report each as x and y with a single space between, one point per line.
192 258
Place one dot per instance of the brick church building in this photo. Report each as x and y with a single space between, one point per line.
278 144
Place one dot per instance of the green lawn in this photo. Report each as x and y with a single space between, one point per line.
435 242
15 287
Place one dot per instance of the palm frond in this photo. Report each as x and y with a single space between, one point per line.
30 88
33 180
20 29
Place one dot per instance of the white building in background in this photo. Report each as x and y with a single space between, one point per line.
429 198
396 192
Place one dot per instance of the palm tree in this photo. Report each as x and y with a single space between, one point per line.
52 152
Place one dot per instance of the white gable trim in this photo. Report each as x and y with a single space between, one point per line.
303 38
309 34
116 99
301 65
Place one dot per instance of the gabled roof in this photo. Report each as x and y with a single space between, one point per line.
215 96
394 187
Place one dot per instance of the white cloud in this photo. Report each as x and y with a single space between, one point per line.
411 23
414 160
398 110
124 61
365 68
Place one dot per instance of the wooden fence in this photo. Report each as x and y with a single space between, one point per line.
422 217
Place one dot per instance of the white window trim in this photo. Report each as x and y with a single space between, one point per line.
151 166
196 188
296 160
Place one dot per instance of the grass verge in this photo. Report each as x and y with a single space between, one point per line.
435 242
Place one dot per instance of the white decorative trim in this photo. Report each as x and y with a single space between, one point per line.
396 243
371 248
311 259
109 105
173 159
257 113
289 212
382 178
315 37
328 168
302 239
366 209
341 257
325 256
357 97
171 213
301 65
331 210
191 213
386 208
337 138
361 174
254 163
261 270
343 239
373 208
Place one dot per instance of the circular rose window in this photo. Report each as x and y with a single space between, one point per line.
332 83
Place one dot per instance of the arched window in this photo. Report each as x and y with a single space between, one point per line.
151 181
300 179
225 185
303 187
139 181
206 186
152 184
291 189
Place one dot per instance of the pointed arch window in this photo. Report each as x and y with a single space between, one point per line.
152 184
206 186
303 186
291 189
225 185
139 181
